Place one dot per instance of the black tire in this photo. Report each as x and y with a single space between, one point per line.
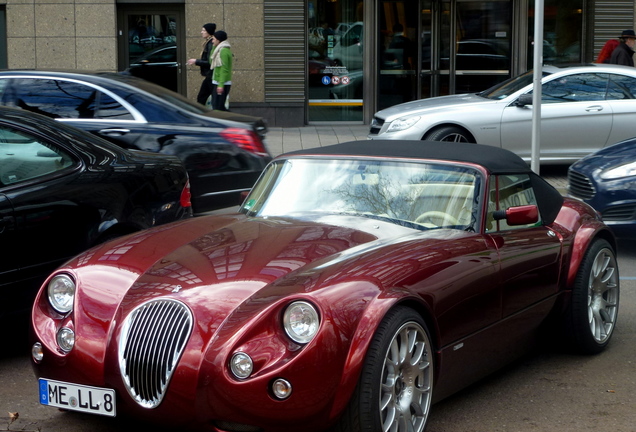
449 134
406 397
595 297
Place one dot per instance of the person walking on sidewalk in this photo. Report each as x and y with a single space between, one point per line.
623 54
204 63
221 62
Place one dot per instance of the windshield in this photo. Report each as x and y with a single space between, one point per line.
508 87
418 195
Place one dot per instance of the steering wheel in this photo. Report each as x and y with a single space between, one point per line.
435 216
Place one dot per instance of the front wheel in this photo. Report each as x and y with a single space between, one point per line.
449 134
396 385
595 297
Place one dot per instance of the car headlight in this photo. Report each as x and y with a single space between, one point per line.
402 123
627 170
301 321
61 292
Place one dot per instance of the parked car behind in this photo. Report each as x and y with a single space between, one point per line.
357 284
584 108
158 66
223 157
63 190
606 180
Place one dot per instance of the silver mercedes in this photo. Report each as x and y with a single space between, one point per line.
584 108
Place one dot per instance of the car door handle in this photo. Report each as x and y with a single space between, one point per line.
114 132
594 108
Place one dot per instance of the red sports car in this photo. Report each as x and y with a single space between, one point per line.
356 285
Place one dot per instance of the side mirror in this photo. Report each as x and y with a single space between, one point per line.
521 215
524 99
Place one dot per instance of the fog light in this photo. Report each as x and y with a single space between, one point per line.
281 388
37 352
241 365
66 339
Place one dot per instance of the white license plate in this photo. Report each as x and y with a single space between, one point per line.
77 397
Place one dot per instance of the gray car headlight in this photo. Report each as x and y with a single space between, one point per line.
61 292
627 170
402 123
301 321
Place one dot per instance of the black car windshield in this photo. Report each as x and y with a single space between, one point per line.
421 195
510 86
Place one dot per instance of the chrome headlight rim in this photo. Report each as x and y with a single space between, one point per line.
301 321
61 291
65 339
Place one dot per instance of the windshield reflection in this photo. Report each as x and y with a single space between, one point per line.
508 87
417 195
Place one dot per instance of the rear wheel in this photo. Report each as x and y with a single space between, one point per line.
595 298
396 385
449 134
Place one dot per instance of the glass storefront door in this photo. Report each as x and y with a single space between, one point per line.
470 46
149 45
335 47
398 52
432 48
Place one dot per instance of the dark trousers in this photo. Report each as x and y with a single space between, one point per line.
218 100
205 91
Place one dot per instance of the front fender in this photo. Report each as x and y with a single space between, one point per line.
582 224
367 326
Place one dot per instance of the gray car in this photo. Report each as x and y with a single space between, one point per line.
584 108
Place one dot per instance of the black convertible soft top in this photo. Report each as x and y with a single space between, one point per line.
496 160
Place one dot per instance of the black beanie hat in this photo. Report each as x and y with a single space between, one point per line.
210 28
220 35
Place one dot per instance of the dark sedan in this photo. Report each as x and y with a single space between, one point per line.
223 157
63 190
606 180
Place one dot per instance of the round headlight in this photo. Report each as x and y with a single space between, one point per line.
281 388
37 352
66 339
241 365
301 321
61 291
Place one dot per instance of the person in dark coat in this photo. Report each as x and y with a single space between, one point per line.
622 54
204 63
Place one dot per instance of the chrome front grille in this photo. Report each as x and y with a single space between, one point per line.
153 338
580 186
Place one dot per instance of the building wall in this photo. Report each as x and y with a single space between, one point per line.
65 34
82 34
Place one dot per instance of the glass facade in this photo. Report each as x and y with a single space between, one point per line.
426 48
562 30
335 60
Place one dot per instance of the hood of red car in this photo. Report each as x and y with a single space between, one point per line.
216 263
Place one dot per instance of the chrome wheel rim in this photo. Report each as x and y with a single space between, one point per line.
602 296
454 137
407 378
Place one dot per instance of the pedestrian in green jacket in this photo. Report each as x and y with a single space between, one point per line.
221 61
